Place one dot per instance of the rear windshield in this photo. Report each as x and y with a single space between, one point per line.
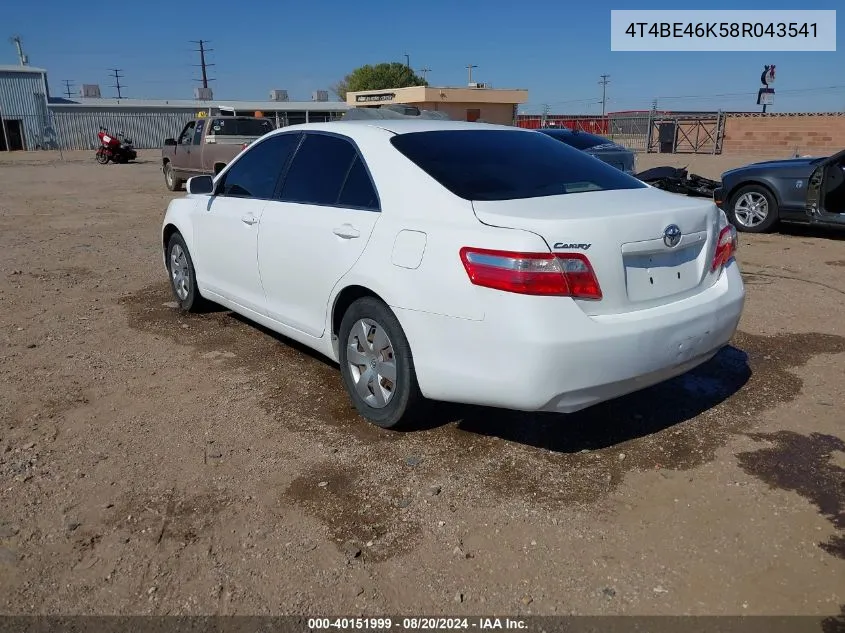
508 165
241 127
578 140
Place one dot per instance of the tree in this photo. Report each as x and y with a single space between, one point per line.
378 77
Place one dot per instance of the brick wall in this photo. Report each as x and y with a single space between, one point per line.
783 134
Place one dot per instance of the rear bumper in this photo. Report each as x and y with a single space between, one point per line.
528 361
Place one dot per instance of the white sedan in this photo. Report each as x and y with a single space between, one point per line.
460 262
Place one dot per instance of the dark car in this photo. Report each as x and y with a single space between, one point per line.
757 196
598 146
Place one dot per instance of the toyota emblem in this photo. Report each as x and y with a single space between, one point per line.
672 235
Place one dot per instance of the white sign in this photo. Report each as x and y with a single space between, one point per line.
723 30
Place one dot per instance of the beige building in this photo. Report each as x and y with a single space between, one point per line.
461 104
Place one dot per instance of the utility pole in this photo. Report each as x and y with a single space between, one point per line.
407 60
544 120
22 59
117 78
425 70
604 81
202 50
469 67
68 91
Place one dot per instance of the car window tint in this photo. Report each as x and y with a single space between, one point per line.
578 140
358 190
256 172
508 165
318 170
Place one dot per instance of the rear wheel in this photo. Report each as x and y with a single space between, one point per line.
376 364
753 209
173 182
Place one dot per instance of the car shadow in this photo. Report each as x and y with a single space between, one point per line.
812 230
639 414
635 415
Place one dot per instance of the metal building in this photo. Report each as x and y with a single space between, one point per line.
24 117
148 122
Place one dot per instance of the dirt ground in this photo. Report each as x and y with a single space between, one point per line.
154 463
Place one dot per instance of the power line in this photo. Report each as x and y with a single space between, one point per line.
202 50
604 81
68 90
117 78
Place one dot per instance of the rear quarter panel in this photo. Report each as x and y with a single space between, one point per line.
413 201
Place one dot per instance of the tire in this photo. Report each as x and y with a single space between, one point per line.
183 278
173 182
745 207
398 404
102 157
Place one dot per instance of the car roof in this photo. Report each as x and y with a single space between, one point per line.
397 126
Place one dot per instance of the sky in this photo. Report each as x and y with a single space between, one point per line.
556 50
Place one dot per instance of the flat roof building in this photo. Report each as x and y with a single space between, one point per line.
473 103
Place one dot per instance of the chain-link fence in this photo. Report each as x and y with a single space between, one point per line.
677 133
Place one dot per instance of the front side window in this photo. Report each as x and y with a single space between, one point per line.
508 165
256 172
187 134
327 170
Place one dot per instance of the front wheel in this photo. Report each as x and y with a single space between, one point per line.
183 277
376 364
102 157
753 209
171 180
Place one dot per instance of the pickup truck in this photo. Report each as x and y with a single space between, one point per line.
205 145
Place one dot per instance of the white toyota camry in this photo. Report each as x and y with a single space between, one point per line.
459 262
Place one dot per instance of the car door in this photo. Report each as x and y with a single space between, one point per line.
226 225
194 163
820 177
316 231
182 151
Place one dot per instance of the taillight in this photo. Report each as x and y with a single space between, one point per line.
550 274
725 247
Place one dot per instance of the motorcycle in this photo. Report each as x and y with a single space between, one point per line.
115 148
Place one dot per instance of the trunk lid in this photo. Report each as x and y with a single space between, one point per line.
622 234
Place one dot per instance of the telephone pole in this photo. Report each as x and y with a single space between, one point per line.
604 81
202 50
469 67
425 70
117 78
68 91
22 58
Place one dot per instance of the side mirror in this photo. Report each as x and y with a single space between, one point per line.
170 141
200 185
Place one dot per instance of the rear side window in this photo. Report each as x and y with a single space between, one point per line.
327 170
256 172
508 165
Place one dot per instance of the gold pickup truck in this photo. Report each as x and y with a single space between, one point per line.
205 145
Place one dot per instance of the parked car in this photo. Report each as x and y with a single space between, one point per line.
206 145
457 261
757 196
598 146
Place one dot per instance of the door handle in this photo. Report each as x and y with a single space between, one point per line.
249 219
346 231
